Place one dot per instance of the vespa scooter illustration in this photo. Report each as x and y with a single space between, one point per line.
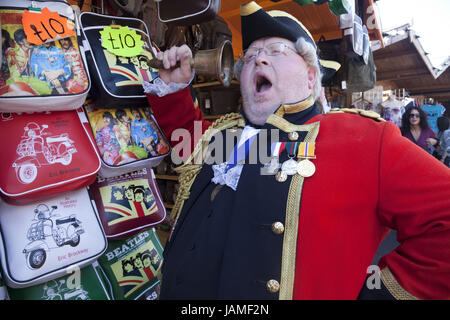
48 232
34 151
58 290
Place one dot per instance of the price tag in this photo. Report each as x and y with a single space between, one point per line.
121 41
45 26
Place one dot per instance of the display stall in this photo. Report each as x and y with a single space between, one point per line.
86 135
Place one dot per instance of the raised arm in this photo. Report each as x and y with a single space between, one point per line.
170 98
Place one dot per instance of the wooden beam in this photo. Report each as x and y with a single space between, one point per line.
421 51
429 88
389 41
431 92
405 71
395 76
380 55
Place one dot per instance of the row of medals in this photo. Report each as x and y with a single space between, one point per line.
305 168
290 167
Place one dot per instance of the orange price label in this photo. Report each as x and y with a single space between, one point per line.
46 26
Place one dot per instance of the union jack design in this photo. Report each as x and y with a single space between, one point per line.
138 269
127 201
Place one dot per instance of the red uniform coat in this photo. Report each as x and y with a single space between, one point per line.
369 179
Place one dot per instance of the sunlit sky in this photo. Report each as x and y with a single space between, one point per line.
430 20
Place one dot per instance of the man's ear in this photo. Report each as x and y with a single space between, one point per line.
312 76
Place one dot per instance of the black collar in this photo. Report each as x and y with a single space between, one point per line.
296 113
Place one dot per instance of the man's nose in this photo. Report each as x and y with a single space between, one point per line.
261 57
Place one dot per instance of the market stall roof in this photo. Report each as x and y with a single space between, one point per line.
318 19
403 63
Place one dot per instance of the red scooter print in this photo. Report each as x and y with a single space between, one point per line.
38 148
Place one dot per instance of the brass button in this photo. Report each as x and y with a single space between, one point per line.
273 286
281 176
277 227
293 136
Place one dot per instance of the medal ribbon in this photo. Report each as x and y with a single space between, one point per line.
291 149
239 153
307 150
277 148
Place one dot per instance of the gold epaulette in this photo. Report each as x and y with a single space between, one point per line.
365 113
191 168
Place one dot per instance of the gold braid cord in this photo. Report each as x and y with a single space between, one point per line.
365 113
190 169
394 287
293 204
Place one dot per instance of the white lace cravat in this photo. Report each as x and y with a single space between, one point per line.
230 176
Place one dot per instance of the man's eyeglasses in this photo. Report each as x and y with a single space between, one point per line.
273 49
414 115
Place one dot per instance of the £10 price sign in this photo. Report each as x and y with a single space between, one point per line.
45 25
121 41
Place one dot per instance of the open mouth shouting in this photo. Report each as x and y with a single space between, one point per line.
262 83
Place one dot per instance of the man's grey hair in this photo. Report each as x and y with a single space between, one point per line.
308 52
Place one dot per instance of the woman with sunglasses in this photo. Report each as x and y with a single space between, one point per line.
415 127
